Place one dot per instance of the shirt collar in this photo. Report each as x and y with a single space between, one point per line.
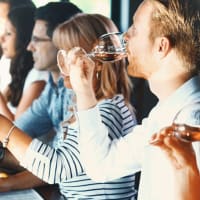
60 82
184 93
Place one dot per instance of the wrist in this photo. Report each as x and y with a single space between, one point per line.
188 182
86 101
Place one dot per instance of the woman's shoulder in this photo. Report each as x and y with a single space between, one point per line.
117 101
117 115
36 75
114 106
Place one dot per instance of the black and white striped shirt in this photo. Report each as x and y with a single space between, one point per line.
63 166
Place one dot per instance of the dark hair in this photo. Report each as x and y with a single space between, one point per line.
22 18
18 3
55 13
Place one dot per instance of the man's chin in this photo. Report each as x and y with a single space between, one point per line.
36 66
39 68
132 71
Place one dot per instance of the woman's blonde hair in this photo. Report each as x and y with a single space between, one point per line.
83 30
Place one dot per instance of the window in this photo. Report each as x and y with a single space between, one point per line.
89 6
39 3
94 6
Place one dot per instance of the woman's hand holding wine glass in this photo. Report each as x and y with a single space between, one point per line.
77 63
77 68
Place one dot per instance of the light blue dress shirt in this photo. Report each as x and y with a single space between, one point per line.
47 112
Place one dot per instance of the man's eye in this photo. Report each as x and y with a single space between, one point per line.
34 39
37 39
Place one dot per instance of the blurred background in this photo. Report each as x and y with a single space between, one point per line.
120 11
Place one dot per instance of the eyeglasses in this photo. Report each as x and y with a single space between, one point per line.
37 39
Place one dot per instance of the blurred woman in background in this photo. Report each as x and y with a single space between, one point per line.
5 7
26 83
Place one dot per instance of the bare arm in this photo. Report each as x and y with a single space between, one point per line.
26 100
18 140
40 158
28 96
19 181
4 108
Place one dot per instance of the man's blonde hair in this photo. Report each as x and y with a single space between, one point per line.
179 21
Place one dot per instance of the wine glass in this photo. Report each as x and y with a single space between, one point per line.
110 47
186 123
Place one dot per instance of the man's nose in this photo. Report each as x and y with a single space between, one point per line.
30 47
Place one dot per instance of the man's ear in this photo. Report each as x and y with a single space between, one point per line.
163 46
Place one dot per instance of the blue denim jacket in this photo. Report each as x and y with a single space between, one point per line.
47 112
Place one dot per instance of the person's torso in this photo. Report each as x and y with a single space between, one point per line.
157 180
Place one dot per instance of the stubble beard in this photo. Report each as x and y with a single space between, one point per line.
134 70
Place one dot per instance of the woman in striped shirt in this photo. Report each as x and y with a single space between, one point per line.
112 89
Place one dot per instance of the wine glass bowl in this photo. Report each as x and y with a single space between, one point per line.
186 123
109 48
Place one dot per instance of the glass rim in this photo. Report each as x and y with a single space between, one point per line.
111 33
